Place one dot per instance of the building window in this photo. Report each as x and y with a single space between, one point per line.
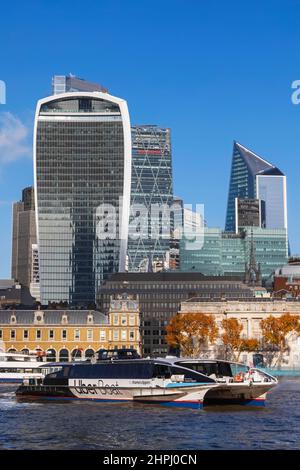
38 334
1 334
124 335
64 334
131 320
116 319
51 334
90 335
116 335
124 320
12 334
76 334
102 335
131 335
25 334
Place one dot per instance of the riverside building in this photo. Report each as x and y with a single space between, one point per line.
82 165
160 295
249 312
64 335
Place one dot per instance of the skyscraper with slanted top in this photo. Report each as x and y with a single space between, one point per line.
254 177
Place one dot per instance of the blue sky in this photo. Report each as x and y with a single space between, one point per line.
213 72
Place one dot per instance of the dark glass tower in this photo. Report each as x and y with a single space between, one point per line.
82 162
23 237
252 177
151 185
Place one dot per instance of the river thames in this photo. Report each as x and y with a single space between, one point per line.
78 425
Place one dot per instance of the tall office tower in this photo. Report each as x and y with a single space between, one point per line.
82 160
177 226
68 83
35 273
254 177
151 188
23 237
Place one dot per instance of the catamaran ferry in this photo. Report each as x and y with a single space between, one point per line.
238 383
15 367
170 381
137 380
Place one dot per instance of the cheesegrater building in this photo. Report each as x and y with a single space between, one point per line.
82 161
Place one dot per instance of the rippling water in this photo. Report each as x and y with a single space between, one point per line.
74 425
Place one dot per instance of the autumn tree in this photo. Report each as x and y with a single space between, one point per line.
191 332
276 332
232 340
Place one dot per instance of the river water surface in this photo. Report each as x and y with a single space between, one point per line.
87 425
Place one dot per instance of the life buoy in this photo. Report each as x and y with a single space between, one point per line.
239 377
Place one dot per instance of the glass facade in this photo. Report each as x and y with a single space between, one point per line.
66 83
151 184
79 165
272 190
227 253
246 166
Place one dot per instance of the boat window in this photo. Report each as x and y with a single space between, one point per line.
162 371
190 375
112 370
66 371
219 369
237 368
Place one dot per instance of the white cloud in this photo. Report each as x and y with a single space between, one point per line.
14 136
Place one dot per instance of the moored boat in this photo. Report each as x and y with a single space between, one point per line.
15 367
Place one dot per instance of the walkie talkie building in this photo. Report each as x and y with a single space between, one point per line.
82 163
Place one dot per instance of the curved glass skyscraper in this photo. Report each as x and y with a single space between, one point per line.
82 160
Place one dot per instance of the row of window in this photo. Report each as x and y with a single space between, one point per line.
77 335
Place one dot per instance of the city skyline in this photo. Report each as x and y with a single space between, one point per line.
194 92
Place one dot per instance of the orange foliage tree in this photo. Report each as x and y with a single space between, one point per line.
232 340
276 331
191 332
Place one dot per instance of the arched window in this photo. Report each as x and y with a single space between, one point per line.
63 355
12 350
89 353
25 351
76 354
51 355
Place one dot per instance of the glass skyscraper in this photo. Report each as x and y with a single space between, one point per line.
23 237
252 177
82 155
151 185
67 83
